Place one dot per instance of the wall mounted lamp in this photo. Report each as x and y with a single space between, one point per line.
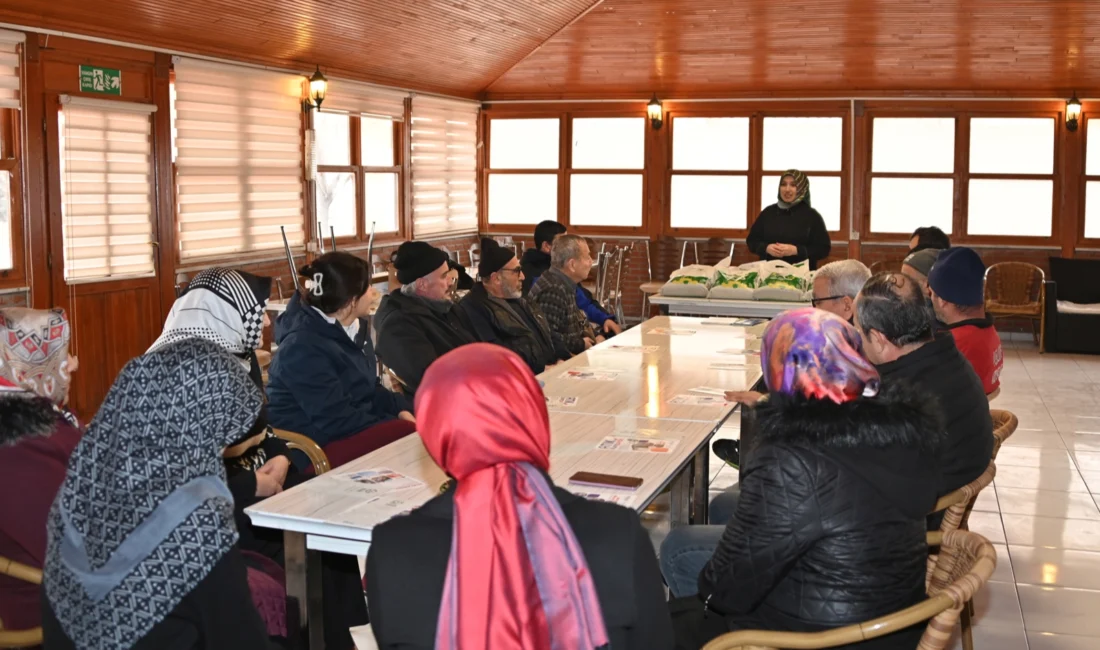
1073 112
318 86
655 112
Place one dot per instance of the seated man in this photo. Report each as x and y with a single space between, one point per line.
928 237
498 312
957 284
918 265
898 335
836 286
536 261
555 293
418 323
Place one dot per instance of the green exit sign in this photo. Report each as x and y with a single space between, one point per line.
100 80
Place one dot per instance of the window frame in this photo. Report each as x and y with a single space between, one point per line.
1080 239
756 172
962 114
565 170
362 232
11 161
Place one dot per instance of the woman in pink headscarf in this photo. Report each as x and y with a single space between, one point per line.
503 560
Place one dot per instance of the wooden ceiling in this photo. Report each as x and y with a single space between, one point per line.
709 48
505 49
450 46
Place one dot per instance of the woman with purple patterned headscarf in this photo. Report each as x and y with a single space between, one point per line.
829 528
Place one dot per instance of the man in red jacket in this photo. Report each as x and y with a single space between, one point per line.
957 282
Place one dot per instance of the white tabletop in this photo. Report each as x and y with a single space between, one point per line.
700 353
337 514
715 307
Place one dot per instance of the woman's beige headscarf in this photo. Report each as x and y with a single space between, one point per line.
34 352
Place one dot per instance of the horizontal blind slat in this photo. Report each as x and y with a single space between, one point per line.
443 134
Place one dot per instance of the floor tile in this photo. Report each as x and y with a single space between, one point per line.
1055 567
1060 610
997 605
1034 457
1025 530
1077 442
1043 439
1040 478
987 501
1048 641
1087 461
994 637
988 525
1047 503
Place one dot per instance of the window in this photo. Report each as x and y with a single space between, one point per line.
912 173
812 145
358 176
357 152
11 213
238 138
1092 182
1001 201
444 166
710 162
523 170
107 184
611 196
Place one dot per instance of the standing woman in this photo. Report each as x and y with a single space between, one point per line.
791 230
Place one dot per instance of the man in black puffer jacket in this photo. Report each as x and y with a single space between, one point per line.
830 527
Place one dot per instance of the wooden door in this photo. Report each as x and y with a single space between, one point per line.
117 317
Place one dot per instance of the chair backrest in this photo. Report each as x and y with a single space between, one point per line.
20 638
1014 283
957 505
1004 425
975 561
308 447
611 276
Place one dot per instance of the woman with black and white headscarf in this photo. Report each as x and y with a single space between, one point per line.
142 548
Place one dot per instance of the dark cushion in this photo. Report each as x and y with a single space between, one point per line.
1078 279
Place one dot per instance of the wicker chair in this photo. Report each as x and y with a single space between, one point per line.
975 560
308 447
1004 425
1016 290
20 638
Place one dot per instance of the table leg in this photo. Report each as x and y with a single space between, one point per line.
303 583
680 493
700 489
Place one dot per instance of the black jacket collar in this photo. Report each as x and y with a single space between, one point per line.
939 351
982 323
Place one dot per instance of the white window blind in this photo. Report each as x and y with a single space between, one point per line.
363 99
444 166
238 135
9 68
107 187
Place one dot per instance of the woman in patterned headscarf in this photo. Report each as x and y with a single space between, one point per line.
227 308
142 548
829 529
790 230
37 435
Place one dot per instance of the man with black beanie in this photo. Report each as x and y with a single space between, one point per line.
417 323
498 312
957 285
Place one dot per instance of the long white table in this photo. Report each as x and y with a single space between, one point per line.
707 307
333 513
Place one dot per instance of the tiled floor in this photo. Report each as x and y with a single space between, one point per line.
1041 512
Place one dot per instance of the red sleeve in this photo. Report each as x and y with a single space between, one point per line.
982 348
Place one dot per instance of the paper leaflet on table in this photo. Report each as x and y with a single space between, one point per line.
589 372
738 322
625 500
634 348
708 390
639 445
698 400
667 331
734 366
561 401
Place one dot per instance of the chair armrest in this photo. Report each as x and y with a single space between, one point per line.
307 446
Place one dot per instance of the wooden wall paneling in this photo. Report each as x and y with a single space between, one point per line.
859 175
1072 211
431 45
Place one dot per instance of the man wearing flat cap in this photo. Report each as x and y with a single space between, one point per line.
500 314
918 265
418 323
